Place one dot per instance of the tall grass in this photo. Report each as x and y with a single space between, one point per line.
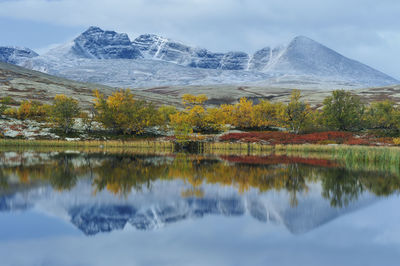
237 148
92 144
355 157
350 153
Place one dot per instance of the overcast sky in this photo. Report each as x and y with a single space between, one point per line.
365 30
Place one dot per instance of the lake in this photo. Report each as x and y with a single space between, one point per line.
80 208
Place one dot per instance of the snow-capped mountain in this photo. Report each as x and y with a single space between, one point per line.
111 58
156 47
98 44
304 56
15 55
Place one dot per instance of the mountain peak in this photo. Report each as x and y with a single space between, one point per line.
14 55
93 29
303 41
103 37
304 56
302 38
99 44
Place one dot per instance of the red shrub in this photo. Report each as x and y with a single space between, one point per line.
275 137
358 141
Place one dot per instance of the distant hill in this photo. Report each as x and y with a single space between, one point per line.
22 84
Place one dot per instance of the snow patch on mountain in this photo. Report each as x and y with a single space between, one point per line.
156 47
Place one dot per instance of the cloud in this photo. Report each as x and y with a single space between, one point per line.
365 30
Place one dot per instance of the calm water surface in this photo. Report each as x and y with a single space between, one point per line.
124 209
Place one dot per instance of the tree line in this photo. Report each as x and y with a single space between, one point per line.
122 113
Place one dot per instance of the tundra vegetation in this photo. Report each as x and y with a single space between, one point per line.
122 114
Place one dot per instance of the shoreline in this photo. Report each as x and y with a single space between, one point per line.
390 154
381 159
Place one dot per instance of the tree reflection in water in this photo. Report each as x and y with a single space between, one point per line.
120 173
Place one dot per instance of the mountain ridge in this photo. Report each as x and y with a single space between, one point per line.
97 51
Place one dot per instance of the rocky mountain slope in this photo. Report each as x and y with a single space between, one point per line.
99 44
111 58
15 55
24 84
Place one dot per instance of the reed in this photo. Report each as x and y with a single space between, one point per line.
226 148
359 158
351 154
100 145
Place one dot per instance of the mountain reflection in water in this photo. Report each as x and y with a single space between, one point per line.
104 192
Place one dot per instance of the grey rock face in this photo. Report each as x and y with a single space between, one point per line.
148 44
96 43
260 59
157 47
14 55
206 59
235 61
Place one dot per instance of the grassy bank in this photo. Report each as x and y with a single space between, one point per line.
382 159
93 144
390 155
349 153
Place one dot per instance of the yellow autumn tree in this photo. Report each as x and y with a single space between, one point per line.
242 116
227 113
193 114
267 114
215 119
30 110
297 113
191 100
196 116
164 115
64 111
121 112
